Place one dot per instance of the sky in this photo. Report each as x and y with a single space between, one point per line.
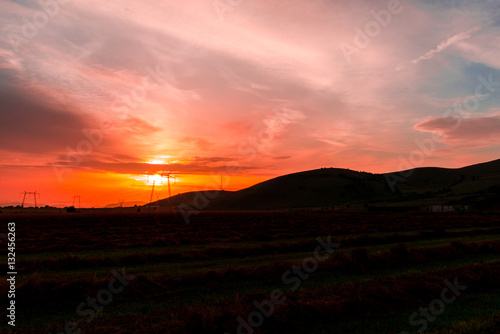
98 99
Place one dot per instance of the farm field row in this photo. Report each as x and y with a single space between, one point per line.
373 281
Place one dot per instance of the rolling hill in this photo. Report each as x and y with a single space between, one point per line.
334 187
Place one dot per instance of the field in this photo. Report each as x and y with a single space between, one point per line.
260 272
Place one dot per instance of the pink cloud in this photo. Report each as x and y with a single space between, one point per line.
475 132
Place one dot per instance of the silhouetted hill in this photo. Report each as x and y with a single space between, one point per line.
466 179
189 198
125 204
328 187
321 187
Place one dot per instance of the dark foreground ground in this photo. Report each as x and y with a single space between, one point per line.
254 272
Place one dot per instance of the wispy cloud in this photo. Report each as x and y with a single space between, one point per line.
446 44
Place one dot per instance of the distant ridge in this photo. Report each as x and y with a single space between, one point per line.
125 204
333 187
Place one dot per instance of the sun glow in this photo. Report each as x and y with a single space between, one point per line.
157 179
150 179
159 160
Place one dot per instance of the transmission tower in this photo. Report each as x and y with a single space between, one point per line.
29 193
79 201
152 193
169 176
121 201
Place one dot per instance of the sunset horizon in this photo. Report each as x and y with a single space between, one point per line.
139 191
98 98
250 166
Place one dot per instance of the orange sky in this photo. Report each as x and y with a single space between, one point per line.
103 94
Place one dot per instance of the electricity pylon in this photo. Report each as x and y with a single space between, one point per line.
152 193
35 194
79 201
161 173
169 175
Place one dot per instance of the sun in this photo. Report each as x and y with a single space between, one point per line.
149 179
156 179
